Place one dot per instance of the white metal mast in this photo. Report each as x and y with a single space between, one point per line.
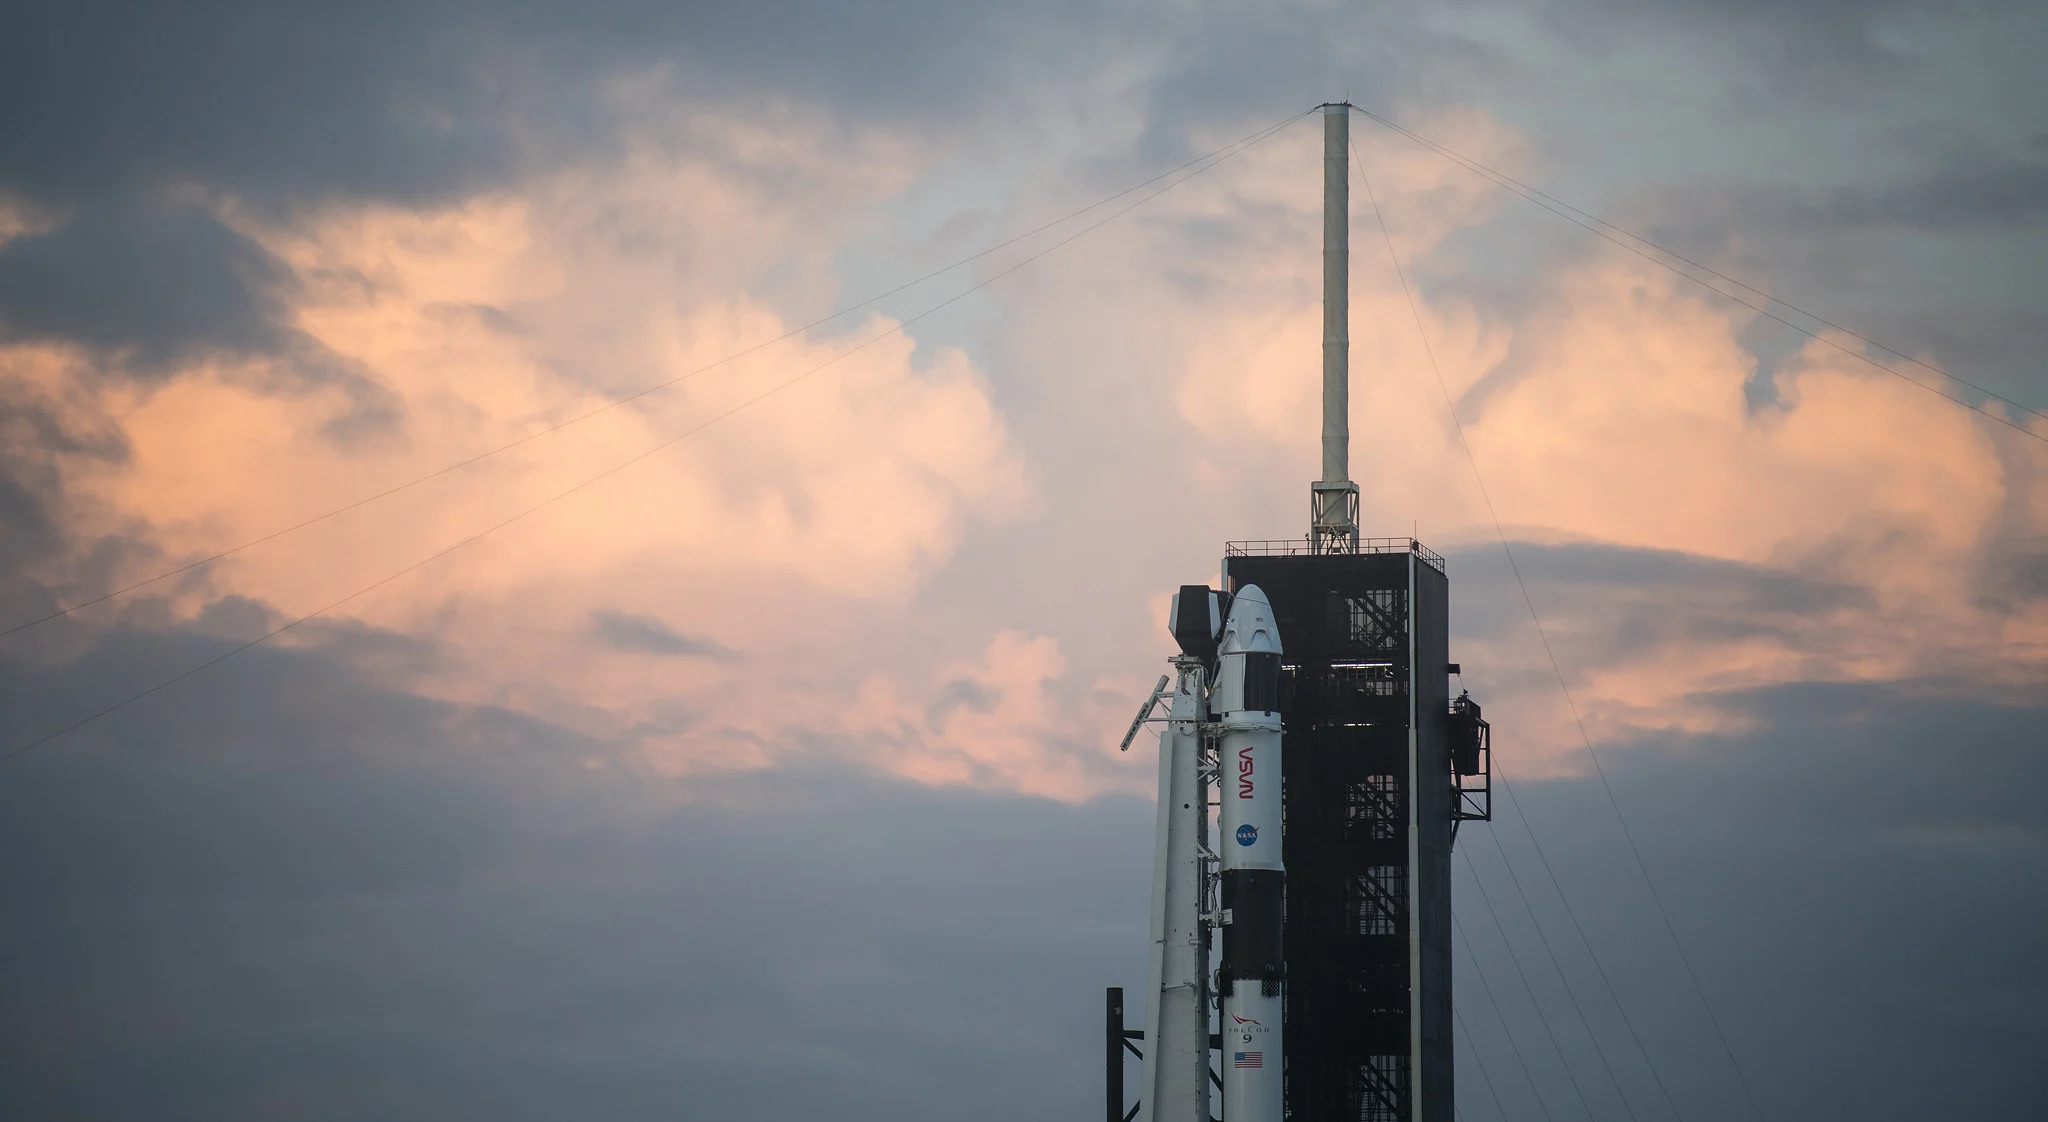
1333 506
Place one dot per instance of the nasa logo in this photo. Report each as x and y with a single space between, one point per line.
1247 834
1245 767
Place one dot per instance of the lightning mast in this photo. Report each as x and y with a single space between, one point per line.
1333 500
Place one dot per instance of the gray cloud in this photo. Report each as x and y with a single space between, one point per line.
1624 601
156 285
147 289
36 429
960 693
338 899
1860 902
640 634
258 99
106 107
1993 190
2025 572
1952 188
334 898
1824 52
42 431
417 101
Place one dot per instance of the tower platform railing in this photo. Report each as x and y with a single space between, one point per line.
1302 547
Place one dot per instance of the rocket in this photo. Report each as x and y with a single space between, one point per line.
1238 717
1246 701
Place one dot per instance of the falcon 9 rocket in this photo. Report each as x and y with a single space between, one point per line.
1246 701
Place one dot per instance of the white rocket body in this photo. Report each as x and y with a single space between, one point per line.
1247 703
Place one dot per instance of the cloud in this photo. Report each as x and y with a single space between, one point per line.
1010 719
511 797
1952 185
624 631
1845 526
163 286
51 420
1617 413
333 895
802 515
1824 53
1850 480
421 104
1989 191
338 896
1812 818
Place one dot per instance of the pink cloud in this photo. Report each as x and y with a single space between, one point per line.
1169 366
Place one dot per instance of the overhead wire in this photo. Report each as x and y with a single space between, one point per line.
1514 1045
1251 138
1563 979
1542 936
1556 668
1595 225
1530 828
1485 1079
1215 158
1521 971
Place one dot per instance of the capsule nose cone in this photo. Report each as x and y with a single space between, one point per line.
1250 627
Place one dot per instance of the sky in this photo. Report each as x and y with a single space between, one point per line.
747 747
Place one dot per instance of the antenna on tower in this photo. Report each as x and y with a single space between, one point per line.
1333 500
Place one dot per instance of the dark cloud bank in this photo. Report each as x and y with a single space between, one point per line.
330 899
291 890
1857 886
125 123
157 285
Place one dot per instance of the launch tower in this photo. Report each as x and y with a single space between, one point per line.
1378 766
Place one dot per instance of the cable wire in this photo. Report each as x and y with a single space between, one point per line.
366 500
1472 1046
1543 938
1221 155
1541 1017
1563 210
1556 669
1530 828
1513 1044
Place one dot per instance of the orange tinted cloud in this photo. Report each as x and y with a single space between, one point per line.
1616 412
771 569
481 323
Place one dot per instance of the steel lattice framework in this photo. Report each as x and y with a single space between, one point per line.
1371 803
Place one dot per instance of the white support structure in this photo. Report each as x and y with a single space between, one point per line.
1176 1087
1333 508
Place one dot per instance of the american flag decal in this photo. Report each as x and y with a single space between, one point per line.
1248 1059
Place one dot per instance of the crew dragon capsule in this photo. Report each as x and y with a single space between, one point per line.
1246 701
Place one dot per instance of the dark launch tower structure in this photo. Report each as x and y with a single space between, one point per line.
1381 764
1378 766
